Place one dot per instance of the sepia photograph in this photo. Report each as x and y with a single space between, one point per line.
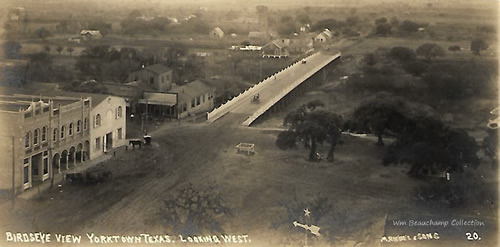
259 123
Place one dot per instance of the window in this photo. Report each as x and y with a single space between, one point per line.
119 111
97 142
203 98
70 129
44 133
168 77
78 126
27 140
45 166
162 79
26 171
120 133
85 123
98 120
151 80
192 103
63 128
35 136
198 100
54 136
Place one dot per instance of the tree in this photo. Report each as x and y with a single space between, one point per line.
408 26
382 20
325 24
490 145
478 45
352 20
39 67
192 211
303 18
430 147
245 43
454 48
383 29
311 127
430 51
70 49
402 54
12 49
379 115
43 33
47 49
416 67
59 49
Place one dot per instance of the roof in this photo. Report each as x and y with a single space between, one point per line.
91 32
155 98
15 102
280 43
218 30
157 68
190 90
137 84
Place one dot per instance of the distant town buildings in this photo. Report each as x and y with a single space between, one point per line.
323 37
89 35
217 33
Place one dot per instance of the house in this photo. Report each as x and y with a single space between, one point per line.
323 37
157 76
42 137
216 33
89 35
16 14
276 48
193 98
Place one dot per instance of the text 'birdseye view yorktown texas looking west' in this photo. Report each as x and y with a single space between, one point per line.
252 123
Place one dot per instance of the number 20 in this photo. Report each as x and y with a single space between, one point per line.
472 236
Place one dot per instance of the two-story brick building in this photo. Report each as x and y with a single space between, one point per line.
41 137
44 136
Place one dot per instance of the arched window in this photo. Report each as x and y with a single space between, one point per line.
98 120
27 140
70 129
62 131
119 112
35 136
78 126
44 133
54 136
85 123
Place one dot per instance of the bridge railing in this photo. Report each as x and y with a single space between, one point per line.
220 111
283 93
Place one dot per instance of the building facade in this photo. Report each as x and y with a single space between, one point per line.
157 76
194 98
108 125
41 138
51 135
